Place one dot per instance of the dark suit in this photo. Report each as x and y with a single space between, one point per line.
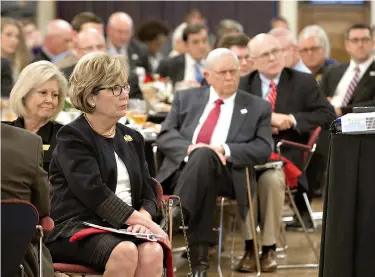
138 55
174 68
48 134
83 177
40 56
135 90
6 78
298 94
364 93
23 178
249 140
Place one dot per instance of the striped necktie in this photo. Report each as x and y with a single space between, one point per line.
350 91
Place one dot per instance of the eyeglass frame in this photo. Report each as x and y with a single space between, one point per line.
123 88
356 41
266 56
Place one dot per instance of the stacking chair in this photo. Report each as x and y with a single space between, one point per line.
19 221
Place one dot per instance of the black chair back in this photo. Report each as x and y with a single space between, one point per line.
18 225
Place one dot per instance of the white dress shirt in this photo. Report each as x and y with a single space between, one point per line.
346 79
114 51
123 188
190 74
220 134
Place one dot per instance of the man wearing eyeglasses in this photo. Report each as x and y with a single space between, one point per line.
298 107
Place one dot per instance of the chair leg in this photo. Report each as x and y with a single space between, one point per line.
220 236
170 205
40 229
22 270
232 254
252 224
306 235
309 209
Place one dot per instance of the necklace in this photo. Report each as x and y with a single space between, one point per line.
110 135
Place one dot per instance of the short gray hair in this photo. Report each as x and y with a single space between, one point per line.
285 33
216 54
318 32
229 24
33 76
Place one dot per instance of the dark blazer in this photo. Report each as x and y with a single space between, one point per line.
249 138
6 78
174 68
364 94
138 55
298 94
135 90
40 56
83 177
23 178
48 134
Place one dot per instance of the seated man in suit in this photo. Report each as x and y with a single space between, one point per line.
119 37
298 105
57 43
91 40
209 137
188 67
23 178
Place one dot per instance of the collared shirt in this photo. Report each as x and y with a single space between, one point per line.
300 66
48 53
155 61
220 134
346 79
190 73
115 51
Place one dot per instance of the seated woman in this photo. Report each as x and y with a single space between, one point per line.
98 174
37 98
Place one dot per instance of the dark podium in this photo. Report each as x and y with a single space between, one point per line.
348 234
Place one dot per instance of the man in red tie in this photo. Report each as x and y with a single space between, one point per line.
208 139
298 107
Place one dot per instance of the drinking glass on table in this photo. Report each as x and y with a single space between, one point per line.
137 113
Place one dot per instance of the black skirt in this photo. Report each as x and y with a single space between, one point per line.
93 251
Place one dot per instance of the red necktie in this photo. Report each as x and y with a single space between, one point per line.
271 97
209 125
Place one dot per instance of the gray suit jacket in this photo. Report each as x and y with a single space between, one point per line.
249 138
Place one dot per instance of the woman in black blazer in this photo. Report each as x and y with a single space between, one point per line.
37 98
98 174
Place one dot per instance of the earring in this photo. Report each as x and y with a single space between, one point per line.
92 105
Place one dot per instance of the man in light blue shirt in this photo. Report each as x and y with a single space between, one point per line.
289 45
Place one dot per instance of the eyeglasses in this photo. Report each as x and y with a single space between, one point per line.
116 90
358 40
313 49
274 52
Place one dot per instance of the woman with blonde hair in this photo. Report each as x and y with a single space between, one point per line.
99 175
37 98
13 45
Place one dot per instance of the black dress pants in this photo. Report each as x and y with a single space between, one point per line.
200 181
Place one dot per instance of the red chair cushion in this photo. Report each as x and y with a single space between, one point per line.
74 268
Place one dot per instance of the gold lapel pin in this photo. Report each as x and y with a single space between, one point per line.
128 138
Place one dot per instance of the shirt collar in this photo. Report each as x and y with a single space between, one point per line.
214 96
113 49
362 66
267 81
189 59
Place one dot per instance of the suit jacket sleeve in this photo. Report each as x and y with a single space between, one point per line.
149 190
258 150
324 84
6 78
170 141
40 195
317 111
76 156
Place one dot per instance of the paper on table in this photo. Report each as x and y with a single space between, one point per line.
151 237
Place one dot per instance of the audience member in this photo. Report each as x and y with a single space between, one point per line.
87 20
208 139
57 43
13 46
23 178
315 49
33 36
119 34
237 43
188 67
227 27
289 45
36 99
178 44
154 34
99 175
299 106
279 22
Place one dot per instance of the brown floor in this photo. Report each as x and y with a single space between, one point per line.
298 252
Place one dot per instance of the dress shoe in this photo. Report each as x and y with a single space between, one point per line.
199 260
295 226
268 261
200 270
247 263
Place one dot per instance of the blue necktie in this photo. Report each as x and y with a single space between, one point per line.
198 73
